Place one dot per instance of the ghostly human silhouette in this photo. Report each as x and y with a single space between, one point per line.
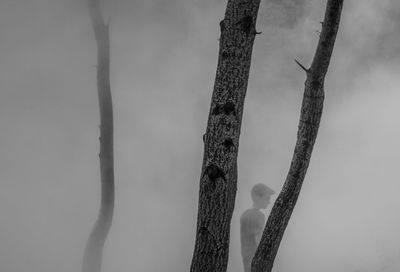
252 223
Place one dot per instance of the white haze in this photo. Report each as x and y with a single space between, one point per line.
164 56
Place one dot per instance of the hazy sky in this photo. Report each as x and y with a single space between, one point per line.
164 57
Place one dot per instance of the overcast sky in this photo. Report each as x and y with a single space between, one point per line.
163 62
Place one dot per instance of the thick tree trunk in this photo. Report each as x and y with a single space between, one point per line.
221 141
310 116
94 249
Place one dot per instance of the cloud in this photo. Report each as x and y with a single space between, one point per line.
282 13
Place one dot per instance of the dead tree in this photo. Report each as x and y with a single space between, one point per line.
218 179
94 249
310 116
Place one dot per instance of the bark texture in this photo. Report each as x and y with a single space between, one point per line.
221 141
311 111
94 249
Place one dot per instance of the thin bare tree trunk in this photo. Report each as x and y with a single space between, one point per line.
221 141
94 249
310 116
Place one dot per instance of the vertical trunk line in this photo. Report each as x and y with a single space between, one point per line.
218 181
94 249
310 116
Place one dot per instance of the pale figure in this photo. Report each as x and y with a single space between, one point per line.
252 223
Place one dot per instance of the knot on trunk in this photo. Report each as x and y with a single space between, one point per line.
213 172
228 144
228 109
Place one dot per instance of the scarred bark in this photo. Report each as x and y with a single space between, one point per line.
221 141
94 249
310 116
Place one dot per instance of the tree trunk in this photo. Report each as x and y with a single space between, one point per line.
221 141
310 116
94 249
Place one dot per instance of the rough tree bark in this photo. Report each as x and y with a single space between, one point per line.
311 111
221 141
94 249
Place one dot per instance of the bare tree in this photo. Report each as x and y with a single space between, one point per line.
94 249
218 179
310 116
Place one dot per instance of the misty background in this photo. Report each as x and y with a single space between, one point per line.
163 62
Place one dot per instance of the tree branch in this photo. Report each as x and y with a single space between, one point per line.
94 248
301 66
218 179
310 117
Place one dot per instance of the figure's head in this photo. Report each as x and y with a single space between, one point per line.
261 195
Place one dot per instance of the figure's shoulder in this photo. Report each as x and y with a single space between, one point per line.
251 214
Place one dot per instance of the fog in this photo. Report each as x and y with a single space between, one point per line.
163 62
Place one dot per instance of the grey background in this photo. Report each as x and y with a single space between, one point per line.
164 56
